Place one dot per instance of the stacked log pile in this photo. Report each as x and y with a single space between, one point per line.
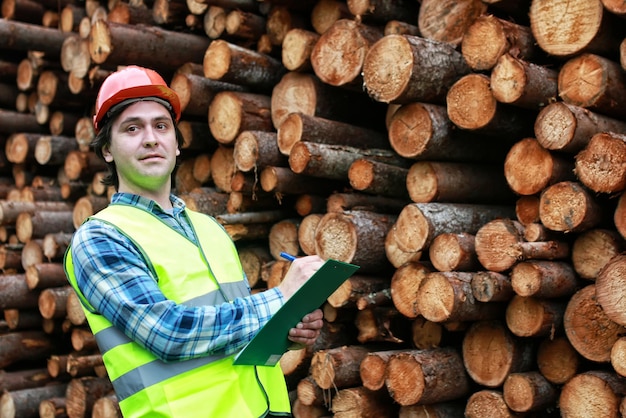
469 155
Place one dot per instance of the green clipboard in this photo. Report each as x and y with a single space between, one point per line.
270 343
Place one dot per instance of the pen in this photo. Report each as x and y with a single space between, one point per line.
286 256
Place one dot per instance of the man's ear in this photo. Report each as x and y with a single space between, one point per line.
106 154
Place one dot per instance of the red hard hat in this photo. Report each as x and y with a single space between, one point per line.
133 82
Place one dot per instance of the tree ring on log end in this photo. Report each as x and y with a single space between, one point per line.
336 238
387 74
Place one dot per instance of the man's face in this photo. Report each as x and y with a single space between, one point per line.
143 147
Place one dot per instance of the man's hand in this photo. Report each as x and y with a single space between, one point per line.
306 332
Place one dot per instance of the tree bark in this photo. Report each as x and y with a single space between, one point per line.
338 367
24 345
339 202
25 402
83 392
23 379
382 324
355 287
53 301
283 180
15 294
17 35
405 68
254 150
491 286
378 178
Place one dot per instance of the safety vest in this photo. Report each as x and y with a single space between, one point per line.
193 275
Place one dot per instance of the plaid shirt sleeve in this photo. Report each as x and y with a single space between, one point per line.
115 280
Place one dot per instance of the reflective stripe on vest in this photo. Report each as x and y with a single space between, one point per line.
145 384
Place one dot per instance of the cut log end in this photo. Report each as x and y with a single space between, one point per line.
386 70
217 60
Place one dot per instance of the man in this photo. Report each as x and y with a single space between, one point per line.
162 286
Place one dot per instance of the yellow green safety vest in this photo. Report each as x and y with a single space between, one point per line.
193 275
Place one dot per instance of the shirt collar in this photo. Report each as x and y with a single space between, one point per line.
148 204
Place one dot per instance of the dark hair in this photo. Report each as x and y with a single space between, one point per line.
103 139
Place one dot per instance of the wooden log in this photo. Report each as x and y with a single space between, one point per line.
306 232
257 149
618 356
10 255
230 63
419 223
206 200
564 127
240 202
453 252
231 113
24 379
424 376
196 91
597 165
592 393
382 324
245 25
17 320
568 207
83 392
223 167
608 291
373 368
108 43
21 346
529 168
80 165
63 123
53 300
356 286
296 49
432 181
45 275
378 178
557 359
522 83
82 365
500 245
83 339
447 296
360 401
106 407
472 106
308 411
405 68
25 402
74 309
491 352
423 131
381 11
284 181
583 27
30 226
11 122
354 237
333 161
85 207
55 244
53 407
405 284
491 286
307 204
53 90
588 327
593 82
339 202
593 249
529 391
448 21
15 294
438 410
487 401
534 317
544 279
338 367
306 93
283 237
23 36
619 217
338 56
297 127
131 14
488 38
309 393
326 12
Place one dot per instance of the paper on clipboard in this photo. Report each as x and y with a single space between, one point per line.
271 342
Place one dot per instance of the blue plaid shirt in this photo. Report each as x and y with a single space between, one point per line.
114 278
